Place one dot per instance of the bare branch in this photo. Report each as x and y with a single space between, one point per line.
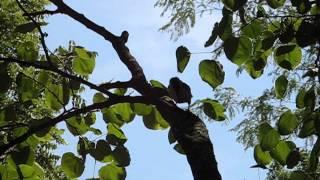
117 84
118 42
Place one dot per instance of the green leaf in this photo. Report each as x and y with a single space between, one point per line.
253 30
288 56
26 88
141 109
268 40
213 109
281 152
25 155
8 114
28 51
120 91
261 157
307 129
307 34
119 114
238 50
98 98
299 175
287 123
112 172
300 98
158 84
115 135
110 116
310 99
270 140
275 3
28 27
27 171
225 25
90 119
77 126
280 87
211 72
124 111
234 4
183 57
121 156
57 96
314 156
5 79
84 61
101 151
155 121
251 67
72 165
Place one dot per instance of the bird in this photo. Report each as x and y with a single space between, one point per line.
179 91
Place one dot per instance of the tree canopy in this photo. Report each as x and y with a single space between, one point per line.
40 88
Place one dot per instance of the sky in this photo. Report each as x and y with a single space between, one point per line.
152 157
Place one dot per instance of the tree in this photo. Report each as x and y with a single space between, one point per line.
54 81
250 34
48 85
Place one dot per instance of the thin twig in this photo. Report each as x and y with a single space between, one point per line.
42 35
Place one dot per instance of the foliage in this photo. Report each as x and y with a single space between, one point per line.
258 36
40 88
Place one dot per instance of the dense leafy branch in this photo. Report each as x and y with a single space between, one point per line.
68 114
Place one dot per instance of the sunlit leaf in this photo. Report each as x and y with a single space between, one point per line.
211 72
183 57
260 156
112 172
84 61
307 129
281 152
276 3
214 109
288 56
287 123
72 165
115 135
238 50
270 140
280 87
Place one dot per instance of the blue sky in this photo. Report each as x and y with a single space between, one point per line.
151 155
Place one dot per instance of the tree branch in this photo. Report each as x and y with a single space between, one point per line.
58 71
62 117
117 42
42 35
40 13
117 84
189 130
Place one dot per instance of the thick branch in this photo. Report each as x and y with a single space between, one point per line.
69 114
117 42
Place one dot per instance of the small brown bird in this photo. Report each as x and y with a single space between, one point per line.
179 91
